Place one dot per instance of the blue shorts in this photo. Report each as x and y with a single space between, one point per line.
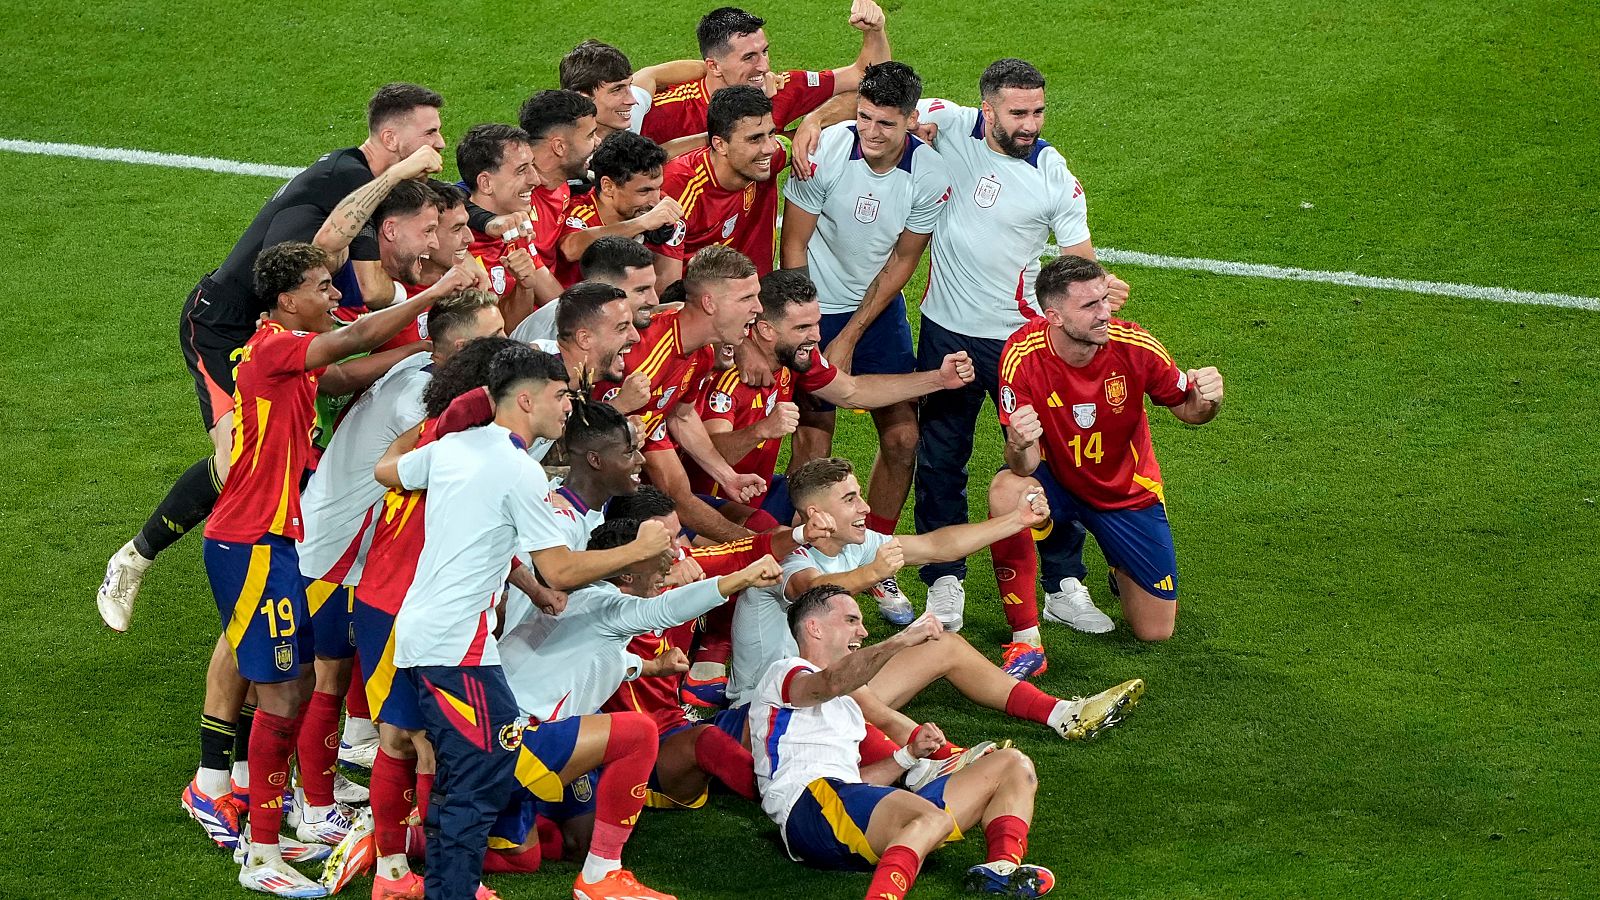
390 695
577 799
333 629
827 827
775 501
884 349
544 751
1137 541
261 599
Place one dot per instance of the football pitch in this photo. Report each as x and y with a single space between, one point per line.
1384 677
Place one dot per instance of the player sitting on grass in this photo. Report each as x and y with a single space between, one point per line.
833 813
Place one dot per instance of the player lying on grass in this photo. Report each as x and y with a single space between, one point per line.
833 813
1072 389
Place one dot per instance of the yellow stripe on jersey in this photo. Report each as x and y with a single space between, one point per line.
291 482
845 829
1017 352
692 191
689 90
1140 339
742 545
729 382
655 360
255 582
1149 484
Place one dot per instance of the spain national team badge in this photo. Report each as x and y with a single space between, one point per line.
1008 399
866 210
511 735
729 226
283 657
1117 390
988 190
583 790
720 402
1083 414
749 195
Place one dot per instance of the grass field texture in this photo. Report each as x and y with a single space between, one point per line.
1384 677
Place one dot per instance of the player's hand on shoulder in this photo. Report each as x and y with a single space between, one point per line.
754 369
956 370
926 132
424 161
1116 292
807 137
1025 428
865 15
1206 383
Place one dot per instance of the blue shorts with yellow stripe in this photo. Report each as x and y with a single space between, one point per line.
261 599
1137 541
333 607
390 695
544 751
827 827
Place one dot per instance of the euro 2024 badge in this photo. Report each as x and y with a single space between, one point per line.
1083 414
988 189
720 403
866 210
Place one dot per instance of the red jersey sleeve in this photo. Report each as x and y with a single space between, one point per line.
1014 389
282 354
726 559
820 375
466 411
1162 379
802 92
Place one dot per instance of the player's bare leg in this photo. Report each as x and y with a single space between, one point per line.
813 437
1149 617
890 482
677 776
997 792
903 830
690 758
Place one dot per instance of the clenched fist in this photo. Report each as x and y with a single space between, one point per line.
1206 383
782 420
890 558
1025 429
653 540
424 161
1032 508
819 525
956 370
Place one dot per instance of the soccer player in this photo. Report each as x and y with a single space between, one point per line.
1011 190
561 127
833 812
250 539
675 353
858 227
1072 388
735 47
221 312
617 261
625 201
603 73
496 164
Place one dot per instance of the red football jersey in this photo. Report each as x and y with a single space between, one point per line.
1096 435
734 401
746 219
680 110
489 250
274 411
548 210
675 375
657 695
580 215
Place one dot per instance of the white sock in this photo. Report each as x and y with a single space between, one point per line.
394 866
212 782
598 867
263 854
1063 711
706 671
359 731
241 773
1027 636
316 813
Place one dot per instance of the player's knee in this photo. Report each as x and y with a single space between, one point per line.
633 731
1154 632
897 446
1016 767
926 828
1006 488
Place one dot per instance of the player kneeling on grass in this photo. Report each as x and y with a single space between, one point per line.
835 814
1072 388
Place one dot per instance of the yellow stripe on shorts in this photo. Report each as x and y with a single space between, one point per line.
845 830
255 583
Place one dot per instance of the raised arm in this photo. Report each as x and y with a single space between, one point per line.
889 559
565 569
875 391
373 329
857 668
665 471
352 213
953 542
1204 400
650 79
690 434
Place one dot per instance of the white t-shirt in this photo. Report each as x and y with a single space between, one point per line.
580 664
487 500
795 745
761 619
636 124
530 623
861 214
539 328
1001 209
339 502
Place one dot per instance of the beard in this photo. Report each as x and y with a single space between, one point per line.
789 357
1008 143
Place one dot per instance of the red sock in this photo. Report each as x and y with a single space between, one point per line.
271 740
424 794
552 844
1016 567
760 521
1028 702
881 524
318 747
393 788
725 759
876 746
355 699
895 874
1008 839
629 757
715 642
497 862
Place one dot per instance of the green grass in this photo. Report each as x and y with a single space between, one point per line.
1383 681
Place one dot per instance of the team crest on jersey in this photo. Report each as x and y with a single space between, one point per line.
1117 390
497 276
1083 414
720 402
988 189
1008 399
728 226
749 195
511 735
283 657
866 210
666 397
611 394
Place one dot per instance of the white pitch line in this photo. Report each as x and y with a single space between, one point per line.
1128 257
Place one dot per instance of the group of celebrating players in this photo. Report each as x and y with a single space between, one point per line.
552 578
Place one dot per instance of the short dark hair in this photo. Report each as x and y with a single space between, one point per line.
812 603
714 263
450 195
467 370
483 148
594 425
1059 274
514 365
783 288
549 110
591 64
648 502
816 476
893 84
722 25
397 99
612 256
281 268
1008 73
613 533
407 199
623 155
450 315
729 105
580 306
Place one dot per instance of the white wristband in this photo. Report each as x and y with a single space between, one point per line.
904 759
800 535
